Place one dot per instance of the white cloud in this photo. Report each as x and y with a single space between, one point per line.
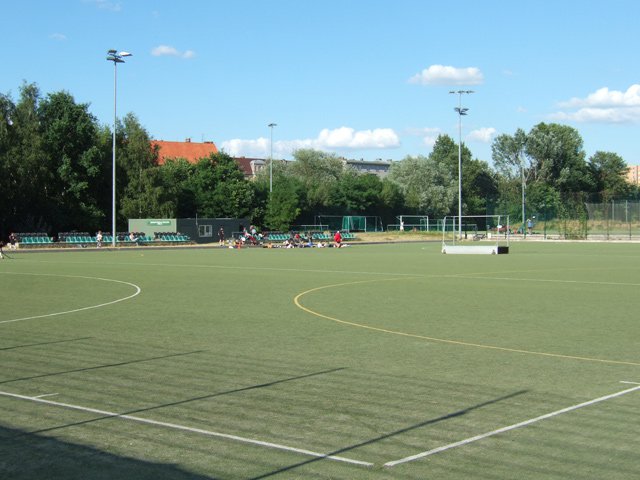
327 140
600 115
429 134
483 135
166 50
247 148
447 75
603 106
58 36
345 137
604 97
106 5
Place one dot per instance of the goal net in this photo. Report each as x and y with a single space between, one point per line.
476 234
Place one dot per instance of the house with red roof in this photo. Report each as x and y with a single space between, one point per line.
194 151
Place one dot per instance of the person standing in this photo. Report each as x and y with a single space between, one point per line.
221 237
99 239
13 240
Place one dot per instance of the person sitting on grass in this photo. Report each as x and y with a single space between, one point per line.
134 239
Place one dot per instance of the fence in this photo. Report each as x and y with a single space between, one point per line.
578 217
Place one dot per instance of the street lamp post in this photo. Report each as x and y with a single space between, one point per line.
115 57
461 111
271 125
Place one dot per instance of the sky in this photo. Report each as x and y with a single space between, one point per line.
363 79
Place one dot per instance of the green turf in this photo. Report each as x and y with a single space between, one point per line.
370 353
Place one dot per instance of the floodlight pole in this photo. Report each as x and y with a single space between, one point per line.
271 125
524 221
461 111
116 58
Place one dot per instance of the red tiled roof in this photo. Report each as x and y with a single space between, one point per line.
190 151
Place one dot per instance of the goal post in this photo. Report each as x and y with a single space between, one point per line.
476 234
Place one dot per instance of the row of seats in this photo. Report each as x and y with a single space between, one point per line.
172 237
82 238
34 240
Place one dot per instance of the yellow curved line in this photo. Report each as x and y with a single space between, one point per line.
297 298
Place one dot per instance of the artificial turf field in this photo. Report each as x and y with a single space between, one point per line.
370 362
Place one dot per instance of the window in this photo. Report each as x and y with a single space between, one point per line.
205 230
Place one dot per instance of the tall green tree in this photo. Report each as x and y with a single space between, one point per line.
509 155
356 193
515 171
427 185
558 157
319 173
177 189
30 175
283 207
7 178
136 159
69 140
609 170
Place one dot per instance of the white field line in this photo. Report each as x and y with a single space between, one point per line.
508 428
175 426
137 292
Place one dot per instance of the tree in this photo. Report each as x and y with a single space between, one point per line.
427 186
609 174
515 170
69 141
140 197
220 188
30 176
357 193
479 186
7 139
558 157
319 173
177 190
508 153
283 206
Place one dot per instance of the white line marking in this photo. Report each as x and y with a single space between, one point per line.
46 395
190 429
630 383
137 292
508 428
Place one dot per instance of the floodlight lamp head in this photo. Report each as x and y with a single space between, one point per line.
125 54
112 52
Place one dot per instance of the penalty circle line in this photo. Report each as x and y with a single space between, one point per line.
138 290
298 304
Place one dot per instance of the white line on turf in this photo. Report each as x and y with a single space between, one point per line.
175 426
46 395
137 288
630 383
508 428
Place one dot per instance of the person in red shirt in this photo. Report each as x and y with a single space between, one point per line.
337 238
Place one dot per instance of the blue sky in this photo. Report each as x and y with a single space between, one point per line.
360 78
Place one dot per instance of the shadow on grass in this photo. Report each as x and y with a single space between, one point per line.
188 400
98 367
26 456
432 421
15 347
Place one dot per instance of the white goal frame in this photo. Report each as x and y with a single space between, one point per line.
461 235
